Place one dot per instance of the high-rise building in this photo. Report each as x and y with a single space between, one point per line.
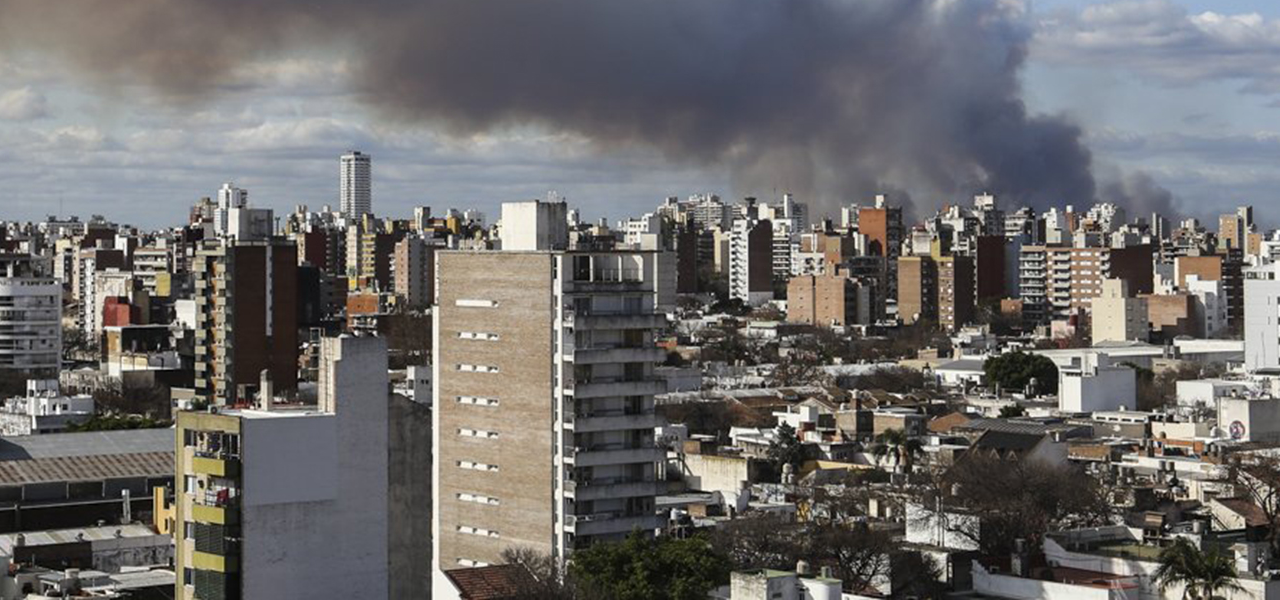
544 407
355 198
263 494
246 311
31 318
229 197
751 261
917 289
955 291
1056 281
414 271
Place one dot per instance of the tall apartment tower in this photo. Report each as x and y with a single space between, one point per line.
544 412
246 313
355 199
290 501
31 300
751 261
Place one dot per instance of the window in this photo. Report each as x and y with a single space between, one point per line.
477 368
479 499
478 433
477 401
469 530
473 303
472 335
475 466
467 562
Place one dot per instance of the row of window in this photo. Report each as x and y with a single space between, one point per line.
475 466
468 368
478 433
474 303
479 499
467 562
477 401
469 530
474 335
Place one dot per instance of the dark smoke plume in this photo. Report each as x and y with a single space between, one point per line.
831 99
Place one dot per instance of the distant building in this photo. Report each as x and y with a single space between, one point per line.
830 300
917 289
355 198
1262 318
32 315
1092 383
751 261
246 299
1118 317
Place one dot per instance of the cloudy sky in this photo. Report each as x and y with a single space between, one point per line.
1184 92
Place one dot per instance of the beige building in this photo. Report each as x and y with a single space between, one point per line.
1117 316
830 300
544 390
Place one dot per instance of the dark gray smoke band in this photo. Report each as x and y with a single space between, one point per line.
830 99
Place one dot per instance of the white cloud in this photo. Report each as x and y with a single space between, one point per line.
23 104
1161 41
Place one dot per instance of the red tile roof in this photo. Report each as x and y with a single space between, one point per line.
497 582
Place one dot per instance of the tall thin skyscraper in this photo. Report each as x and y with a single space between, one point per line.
355 200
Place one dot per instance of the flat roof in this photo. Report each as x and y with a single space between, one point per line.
65 536
95 467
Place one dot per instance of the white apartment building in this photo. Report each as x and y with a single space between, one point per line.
751 266
229 197
30 314
355 197
1262 317
1091 383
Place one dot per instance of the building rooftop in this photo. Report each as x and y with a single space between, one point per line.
91 443
91 467
497 582
80 534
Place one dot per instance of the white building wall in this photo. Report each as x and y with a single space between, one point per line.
534 225
315 487
1262 319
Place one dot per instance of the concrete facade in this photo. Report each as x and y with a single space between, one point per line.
1118 317
544 391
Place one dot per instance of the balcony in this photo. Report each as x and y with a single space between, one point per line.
620 321
216 515
596 388
605 354
617 421
610 455
218 467
607 523
212 562
616 487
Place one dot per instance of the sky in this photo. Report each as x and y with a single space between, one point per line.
1185 92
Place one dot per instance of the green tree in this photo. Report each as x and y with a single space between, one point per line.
1202 574
640 568
899 445
1012 411
1015 370
785 449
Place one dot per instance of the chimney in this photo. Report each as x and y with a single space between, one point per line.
128 508
266 391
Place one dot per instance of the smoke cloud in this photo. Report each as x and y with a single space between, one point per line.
830 99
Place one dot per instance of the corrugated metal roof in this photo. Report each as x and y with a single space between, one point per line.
65 536
129 441
86 468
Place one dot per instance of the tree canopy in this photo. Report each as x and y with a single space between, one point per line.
642 568
1015 370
